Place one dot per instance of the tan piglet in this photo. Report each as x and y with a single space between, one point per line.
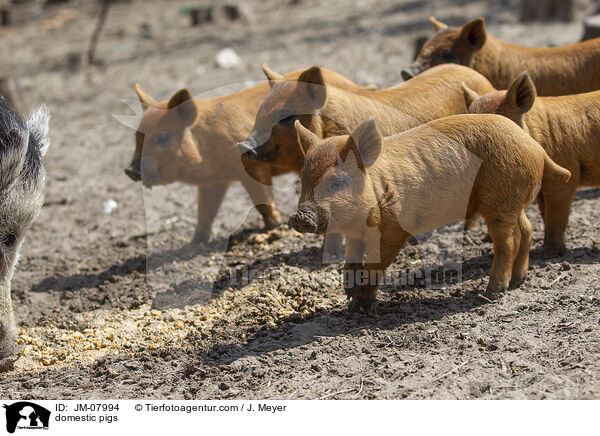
568 128
379 191
563 70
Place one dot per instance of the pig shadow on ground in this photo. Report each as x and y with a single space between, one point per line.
307 258
338 321
398 308
587 194
91 280
135 263
575 255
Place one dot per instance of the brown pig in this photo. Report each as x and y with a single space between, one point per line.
378 191
328 111
193 141
568 128
564 70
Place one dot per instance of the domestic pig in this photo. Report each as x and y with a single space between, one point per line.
379 191
193 141
563 70
23 145
329 111
568 128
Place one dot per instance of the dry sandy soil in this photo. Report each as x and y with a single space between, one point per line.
110 307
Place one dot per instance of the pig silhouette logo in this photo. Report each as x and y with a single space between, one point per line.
26 415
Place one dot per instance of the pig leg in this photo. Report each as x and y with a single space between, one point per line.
521 263
503 236
353 262
210 198
8 329
557 211
261 195
542 207
361 281
331 249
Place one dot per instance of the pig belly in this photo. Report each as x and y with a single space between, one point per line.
435 209
440 195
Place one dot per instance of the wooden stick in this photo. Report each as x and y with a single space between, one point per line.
336 393
451 371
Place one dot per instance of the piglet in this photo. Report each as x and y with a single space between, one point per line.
563 70
567 127
379 191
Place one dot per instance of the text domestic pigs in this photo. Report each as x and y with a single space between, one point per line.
22 178
555 71
193 141
378 191
568 128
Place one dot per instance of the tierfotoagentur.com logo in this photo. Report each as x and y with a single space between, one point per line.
25 415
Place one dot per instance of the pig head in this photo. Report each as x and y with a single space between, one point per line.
456 45
163 141
337 195
289 101
512 103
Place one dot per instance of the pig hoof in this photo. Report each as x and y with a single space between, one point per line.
200 238
272 224
362 299
517 281
495 291
368 307
552 251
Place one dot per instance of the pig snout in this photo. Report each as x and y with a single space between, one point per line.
410 72
133 171
247 149
305 221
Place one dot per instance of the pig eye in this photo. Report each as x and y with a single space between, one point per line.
338 182
287 120
447 55
163 139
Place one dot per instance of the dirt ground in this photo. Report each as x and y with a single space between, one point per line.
110 307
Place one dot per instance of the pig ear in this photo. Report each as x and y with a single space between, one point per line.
271 75
522 92
437 24
474 33
469 94
306 138
145 99
367 141
182 101
316 85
